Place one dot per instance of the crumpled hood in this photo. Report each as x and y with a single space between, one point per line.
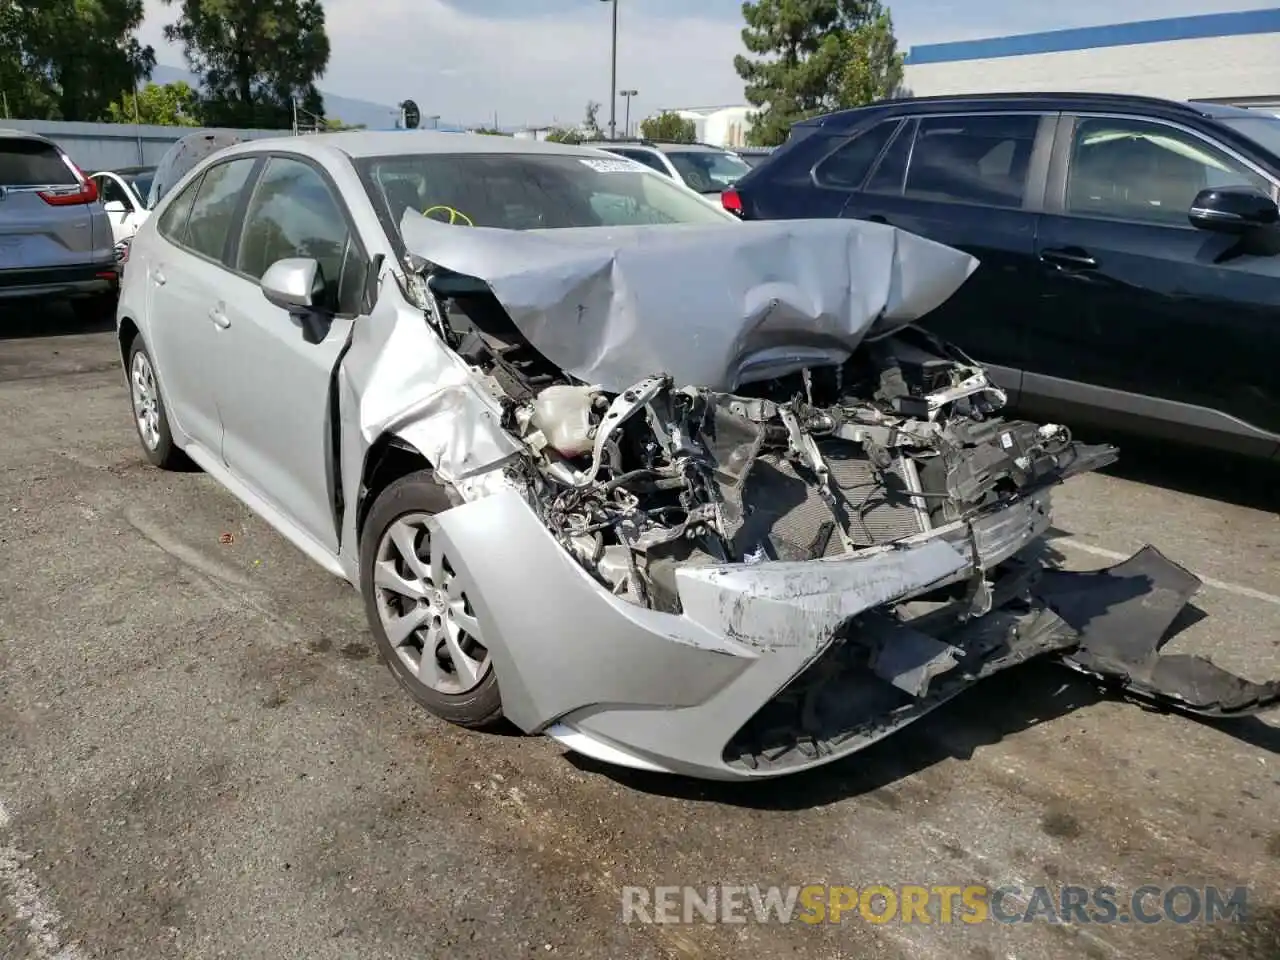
710 305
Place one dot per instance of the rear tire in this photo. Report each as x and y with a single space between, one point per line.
150 420
419 611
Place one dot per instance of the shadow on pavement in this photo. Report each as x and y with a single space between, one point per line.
1006 704
20 320
1203 473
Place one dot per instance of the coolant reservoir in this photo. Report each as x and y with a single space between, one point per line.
563 415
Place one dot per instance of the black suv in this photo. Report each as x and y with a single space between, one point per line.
1129 246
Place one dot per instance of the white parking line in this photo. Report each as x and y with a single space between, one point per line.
23 892
1236 588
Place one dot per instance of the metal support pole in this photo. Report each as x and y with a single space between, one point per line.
613 79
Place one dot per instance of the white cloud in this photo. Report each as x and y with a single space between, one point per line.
465 67
547 66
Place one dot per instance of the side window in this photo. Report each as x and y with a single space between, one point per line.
891 171
172 224
111 192
1138 170
647 158
847 167
215 206
976 159
293 213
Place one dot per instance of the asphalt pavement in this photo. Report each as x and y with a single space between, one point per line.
201 755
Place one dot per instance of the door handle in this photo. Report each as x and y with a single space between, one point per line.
157 277
219 318
1070 257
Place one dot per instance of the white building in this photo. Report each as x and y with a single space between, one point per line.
1227 57
721 126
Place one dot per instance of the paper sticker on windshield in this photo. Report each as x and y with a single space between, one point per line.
600 165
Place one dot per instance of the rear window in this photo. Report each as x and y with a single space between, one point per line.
31 163
848 166
530 191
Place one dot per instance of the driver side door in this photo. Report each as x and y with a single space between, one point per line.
276 367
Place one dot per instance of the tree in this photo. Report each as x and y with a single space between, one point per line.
491 132
171 105
563 135
64 61
669 126
591 125
255 58
872 68
813 56
334 125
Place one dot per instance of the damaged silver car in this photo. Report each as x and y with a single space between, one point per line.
686 494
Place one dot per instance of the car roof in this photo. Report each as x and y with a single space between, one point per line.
1041 100
667 146
13 134
387 143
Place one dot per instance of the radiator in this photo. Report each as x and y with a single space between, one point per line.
783 511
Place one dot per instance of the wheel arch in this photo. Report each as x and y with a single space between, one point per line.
389 458
126 333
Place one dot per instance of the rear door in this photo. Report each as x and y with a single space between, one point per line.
1144 316
974 181
45 221
187 279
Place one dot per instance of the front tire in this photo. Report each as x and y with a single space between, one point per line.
419 610
150 419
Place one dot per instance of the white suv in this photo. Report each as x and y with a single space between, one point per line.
704 168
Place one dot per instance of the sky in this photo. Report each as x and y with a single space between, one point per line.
540 61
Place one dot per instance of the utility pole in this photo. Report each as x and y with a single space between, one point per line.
613 76
626 126
137 125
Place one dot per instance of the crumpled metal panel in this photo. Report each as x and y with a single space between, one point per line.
710 305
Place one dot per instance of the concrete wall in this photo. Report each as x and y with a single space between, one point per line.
106 146
1229 57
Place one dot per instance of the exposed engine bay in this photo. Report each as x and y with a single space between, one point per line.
903 438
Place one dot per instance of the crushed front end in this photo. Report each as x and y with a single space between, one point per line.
748 582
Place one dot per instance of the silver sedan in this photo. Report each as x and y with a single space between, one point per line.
685 493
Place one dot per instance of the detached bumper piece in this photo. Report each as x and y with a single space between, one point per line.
1123 615
882 672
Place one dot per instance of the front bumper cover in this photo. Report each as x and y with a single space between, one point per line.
686 693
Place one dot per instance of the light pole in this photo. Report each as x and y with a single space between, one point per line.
626 124
613 75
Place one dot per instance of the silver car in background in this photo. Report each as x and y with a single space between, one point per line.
685 493
55 235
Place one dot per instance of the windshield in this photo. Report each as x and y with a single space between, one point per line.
708 171
516 191
1263 130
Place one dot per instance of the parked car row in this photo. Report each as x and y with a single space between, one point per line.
1129 246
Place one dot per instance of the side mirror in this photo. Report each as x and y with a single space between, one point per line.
1232 210
115 206
295 283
